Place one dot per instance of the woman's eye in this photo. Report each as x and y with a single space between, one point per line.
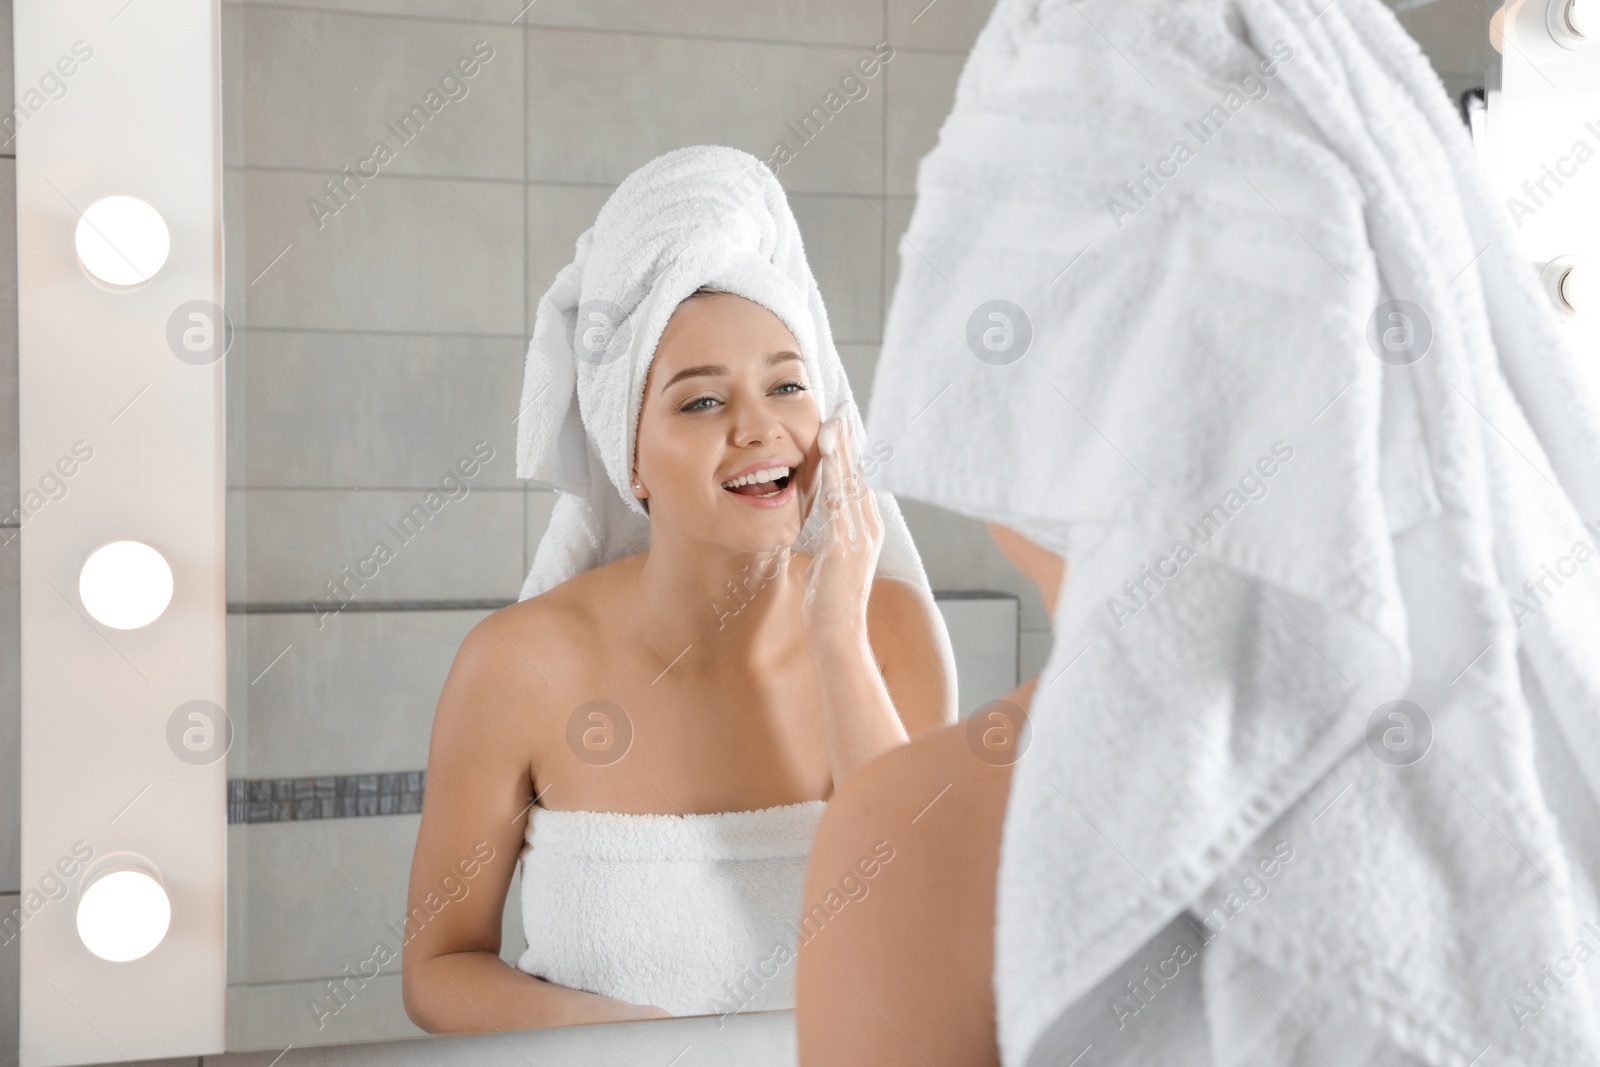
798 387
694 405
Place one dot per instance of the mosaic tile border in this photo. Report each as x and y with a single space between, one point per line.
336 796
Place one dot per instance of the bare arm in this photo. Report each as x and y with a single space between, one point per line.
474 816
912 649
855 623
881 687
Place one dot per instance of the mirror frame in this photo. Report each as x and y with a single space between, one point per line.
140 116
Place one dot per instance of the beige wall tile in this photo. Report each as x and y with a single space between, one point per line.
322 88
598 107
232 21
429 255
383 410
983 635
557 215
922 89
897 209
356 695
271 1017
860 360
943 24
843 237
322 892
299 539
537 504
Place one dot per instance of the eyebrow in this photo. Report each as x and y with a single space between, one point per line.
709 369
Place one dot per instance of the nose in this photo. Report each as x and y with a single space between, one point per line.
754 422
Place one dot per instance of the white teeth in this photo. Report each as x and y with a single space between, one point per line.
770 474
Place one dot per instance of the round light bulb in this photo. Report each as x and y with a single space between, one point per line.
122 241
123 914
125 584
1582 17
1575 289
1570 22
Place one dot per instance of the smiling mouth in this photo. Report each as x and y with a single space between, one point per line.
769 482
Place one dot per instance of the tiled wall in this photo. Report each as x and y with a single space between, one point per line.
375 348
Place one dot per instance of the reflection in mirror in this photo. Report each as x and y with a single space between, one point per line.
513 741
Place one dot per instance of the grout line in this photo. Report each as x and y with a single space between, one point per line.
344 331
307 607
614 31
323 172
372 488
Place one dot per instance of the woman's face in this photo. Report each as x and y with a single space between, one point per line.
727 395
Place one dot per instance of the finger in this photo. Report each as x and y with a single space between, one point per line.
836 482
847 479
815 486
874 515
841 505
862 493
858 527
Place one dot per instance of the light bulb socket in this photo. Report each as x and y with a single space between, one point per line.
1554 275
1565 29
112 862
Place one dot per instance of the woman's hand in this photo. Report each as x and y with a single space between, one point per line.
834 609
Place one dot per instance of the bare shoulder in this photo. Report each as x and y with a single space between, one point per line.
526 656
899 602
556 624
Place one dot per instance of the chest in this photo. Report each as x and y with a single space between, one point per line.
694 736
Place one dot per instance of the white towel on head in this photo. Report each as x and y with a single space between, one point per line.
1283 511
704 215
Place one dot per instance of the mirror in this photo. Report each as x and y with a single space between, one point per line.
402 182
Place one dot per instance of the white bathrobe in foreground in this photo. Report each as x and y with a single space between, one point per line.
1270 370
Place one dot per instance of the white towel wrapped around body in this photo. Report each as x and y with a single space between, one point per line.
704 215
696 914
1285 508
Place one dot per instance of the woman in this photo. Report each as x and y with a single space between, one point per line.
1312 771
696 666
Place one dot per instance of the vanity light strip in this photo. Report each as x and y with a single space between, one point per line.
339 796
